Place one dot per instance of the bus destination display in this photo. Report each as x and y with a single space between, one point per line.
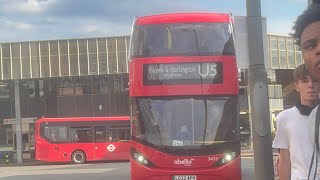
182 73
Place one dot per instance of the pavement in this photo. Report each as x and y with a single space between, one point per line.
26 162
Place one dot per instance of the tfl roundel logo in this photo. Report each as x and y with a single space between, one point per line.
111 147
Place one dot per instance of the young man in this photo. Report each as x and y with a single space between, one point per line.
292 137
307 36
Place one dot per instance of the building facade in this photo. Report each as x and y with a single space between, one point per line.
61 78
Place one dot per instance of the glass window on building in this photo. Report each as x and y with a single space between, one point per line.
65 86
298 58
275 91
92 50
127 46
283 60
116 83
291 61
122 57
83 57
112 57
15 51
273 42
121 44
4 90
83 85
6 135
73 50
25 59
282 43
54 58
64 61
100 84
44 58
35 88
102 55
35 64
6 61
111 44
274 59
122 62
290 44
298 48
112 62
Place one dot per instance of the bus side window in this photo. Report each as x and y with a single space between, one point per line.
113 135
81 134
124 134
119 134
100 134
56 133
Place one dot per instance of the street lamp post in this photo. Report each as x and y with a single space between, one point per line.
258 93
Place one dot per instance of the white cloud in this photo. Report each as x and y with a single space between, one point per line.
90 28
29 6
18 25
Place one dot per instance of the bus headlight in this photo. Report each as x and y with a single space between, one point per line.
138 157
227 157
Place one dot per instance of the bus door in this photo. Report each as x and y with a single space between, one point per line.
56 135
119 142
100 147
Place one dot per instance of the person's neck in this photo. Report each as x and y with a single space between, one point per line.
309 103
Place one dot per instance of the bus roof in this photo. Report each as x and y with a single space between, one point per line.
183 18
79 119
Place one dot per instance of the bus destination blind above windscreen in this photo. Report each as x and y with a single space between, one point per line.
183 73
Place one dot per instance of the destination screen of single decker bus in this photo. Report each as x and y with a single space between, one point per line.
183 73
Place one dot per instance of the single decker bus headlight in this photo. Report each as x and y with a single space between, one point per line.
227 157
138 157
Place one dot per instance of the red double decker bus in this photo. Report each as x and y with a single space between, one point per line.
184 98
82 139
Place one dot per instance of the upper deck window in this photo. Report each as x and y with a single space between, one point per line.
182 39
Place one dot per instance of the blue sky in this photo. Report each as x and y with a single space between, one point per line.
28 20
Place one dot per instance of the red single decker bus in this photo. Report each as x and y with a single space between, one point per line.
82 139
184 98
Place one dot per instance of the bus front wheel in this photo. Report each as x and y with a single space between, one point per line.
78 157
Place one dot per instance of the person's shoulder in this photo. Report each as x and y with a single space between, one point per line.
288 112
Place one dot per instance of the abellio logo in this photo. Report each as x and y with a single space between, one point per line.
186 162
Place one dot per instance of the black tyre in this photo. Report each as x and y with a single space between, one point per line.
78 157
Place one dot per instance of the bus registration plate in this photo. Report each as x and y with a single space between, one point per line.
184 177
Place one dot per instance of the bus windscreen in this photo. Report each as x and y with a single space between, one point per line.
183 39
186 123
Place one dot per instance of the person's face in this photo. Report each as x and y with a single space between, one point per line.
310 47
309 89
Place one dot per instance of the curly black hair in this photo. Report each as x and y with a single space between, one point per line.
309 16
